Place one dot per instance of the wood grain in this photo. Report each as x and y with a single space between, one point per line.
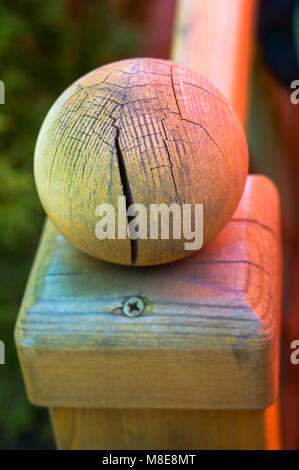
215 38
213 321
210 338
273 138
148 129
77 428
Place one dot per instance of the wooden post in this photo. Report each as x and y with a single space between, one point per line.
209 344
199 369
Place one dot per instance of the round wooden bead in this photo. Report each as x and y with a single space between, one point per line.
149 130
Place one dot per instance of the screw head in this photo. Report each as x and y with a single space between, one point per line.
133 307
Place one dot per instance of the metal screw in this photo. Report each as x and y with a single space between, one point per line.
133 307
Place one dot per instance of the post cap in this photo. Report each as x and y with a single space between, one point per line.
144 132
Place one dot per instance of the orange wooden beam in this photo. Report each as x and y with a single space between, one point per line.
214 38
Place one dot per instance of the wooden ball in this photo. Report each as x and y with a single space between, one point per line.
147 129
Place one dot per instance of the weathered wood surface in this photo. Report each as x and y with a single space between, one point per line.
273 139
209 339
77 428
149 130
214 37
236 365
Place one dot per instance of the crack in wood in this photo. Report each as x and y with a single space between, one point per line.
127 193
190 121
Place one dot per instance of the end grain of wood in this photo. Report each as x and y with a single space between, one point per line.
148 129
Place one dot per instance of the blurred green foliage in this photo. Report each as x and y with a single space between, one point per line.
44 47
